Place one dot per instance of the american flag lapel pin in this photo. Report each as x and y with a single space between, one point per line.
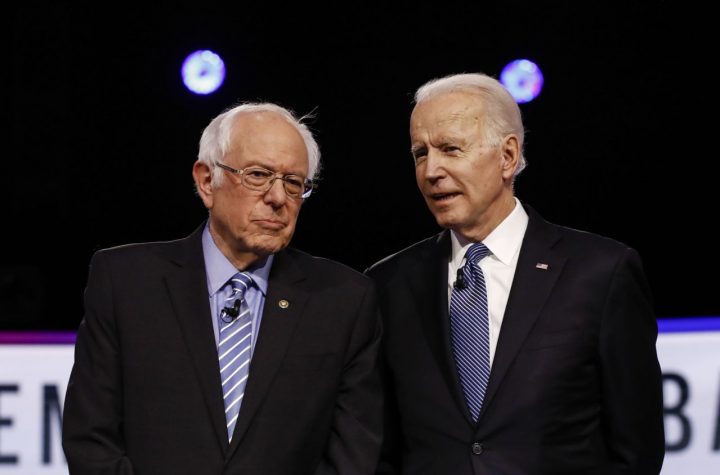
541 265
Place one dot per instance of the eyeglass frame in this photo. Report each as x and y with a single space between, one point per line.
308 184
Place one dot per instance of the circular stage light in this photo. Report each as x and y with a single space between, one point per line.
523 79
203 72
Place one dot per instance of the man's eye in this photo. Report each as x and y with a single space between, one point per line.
419 155
258 173
294 181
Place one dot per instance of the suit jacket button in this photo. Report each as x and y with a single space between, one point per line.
477 448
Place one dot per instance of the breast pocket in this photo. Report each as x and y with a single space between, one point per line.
571 336
294 363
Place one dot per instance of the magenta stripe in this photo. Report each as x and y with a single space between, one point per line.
37 337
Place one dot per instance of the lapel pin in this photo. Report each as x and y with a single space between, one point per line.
541 265
283 303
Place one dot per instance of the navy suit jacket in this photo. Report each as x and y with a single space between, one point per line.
575 386
145 396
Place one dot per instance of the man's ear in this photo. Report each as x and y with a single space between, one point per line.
510 156
202 174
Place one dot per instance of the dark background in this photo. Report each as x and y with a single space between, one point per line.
103 134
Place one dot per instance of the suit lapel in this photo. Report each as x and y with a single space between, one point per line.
187 287
428 281
283 308
530 289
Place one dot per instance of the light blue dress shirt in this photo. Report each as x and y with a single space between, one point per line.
218 271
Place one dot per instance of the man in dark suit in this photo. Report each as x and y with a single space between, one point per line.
227 352
511 345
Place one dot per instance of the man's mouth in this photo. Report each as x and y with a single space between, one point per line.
270 223
443 197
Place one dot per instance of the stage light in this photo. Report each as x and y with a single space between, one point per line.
203 72
523 79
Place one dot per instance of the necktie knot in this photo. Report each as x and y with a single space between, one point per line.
240 282
476 253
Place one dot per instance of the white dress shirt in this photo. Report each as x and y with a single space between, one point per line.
498 267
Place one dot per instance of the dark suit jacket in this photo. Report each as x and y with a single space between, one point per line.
145 396
575 386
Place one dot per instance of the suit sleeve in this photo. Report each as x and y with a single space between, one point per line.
631 378
389 463
356 434
92 417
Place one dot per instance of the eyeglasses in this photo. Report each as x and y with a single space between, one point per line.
262 179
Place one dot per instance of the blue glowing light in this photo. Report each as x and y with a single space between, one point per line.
523 79
203 72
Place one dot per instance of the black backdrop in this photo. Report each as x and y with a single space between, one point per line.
103 135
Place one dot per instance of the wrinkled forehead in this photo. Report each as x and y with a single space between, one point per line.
264 124
268 140
453 110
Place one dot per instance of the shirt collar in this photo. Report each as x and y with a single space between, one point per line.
504 241
219 269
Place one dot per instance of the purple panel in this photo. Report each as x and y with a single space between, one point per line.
686 324
54 337
37 337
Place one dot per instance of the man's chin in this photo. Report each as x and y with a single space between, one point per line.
444 220
266 245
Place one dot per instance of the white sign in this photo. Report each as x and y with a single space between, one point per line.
33 379
691 389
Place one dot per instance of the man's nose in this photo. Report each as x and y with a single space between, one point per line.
276 195
434 166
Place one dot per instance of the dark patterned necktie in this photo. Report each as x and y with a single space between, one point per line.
470 330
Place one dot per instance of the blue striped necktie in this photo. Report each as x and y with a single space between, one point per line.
470 330
234 343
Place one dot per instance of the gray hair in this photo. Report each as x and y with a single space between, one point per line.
215 140
502 114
